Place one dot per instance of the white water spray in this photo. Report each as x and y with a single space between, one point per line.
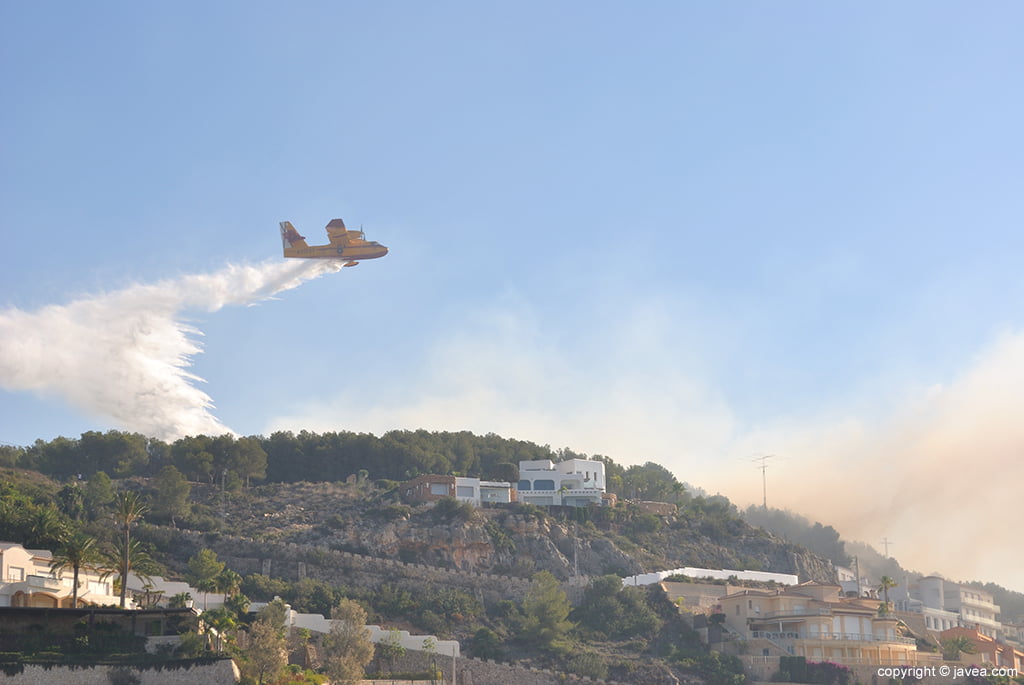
126 355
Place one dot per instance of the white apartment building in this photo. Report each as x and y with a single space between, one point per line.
945 605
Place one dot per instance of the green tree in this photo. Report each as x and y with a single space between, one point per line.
276 614
228 582
265 654
60 457
347 648
11 456
98 495
486 644
953 647
203 569
77 552
389 649
129 508
46 527
249 460
651 482
71 501
172 491
238 603
122 454
610 610
192 456
545 610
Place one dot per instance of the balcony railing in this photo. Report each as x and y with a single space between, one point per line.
794 612
850 637
44 583
979 602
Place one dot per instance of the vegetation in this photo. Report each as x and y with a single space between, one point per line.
266 652
953 647
545 615
200 482
611 611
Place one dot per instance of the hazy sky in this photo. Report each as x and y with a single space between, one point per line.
692 233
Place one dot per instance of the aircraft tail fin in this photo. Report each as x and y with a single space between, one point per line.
290 237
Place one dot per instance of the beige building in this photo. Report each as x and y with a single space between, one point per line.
26 581
813 621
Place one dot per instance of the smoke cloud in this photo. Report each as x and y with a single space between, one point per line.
125 355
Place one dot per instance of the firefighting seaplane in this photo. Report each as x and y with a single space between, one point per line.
351 246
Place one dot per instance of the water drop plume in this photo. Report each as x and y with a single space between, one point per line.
125 355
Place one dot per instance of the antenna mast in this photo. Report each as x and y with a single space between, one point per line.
764 477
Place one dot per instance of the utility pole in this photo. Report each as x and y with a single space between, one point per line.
764 477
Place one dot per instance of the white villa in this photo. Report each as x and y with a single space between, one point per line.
26 581
571 483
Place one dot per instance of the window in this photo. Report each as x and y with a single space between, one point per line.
15 574
543 485
439 489
524 485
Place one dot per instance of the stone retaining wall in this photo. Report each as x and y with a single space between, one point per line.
222 672
293 562
483 672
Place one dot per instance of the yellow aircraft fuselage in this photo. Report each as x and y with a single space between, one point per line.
351 246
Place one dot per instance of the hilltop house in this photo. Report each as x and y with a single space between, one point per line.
27 581
812 620
571 483
429 488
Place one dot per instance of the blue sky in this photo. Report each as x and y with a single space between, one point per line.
683 232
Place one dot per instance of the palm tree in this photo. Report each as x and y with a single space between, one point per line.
228 582
128 509
180 600
885 582
75 552
45 527
129 556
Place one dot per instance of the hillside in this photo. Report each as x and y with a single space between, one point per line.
448 569
517 540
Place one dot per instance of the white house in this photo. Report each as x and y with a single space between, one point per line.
26 581
573 482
